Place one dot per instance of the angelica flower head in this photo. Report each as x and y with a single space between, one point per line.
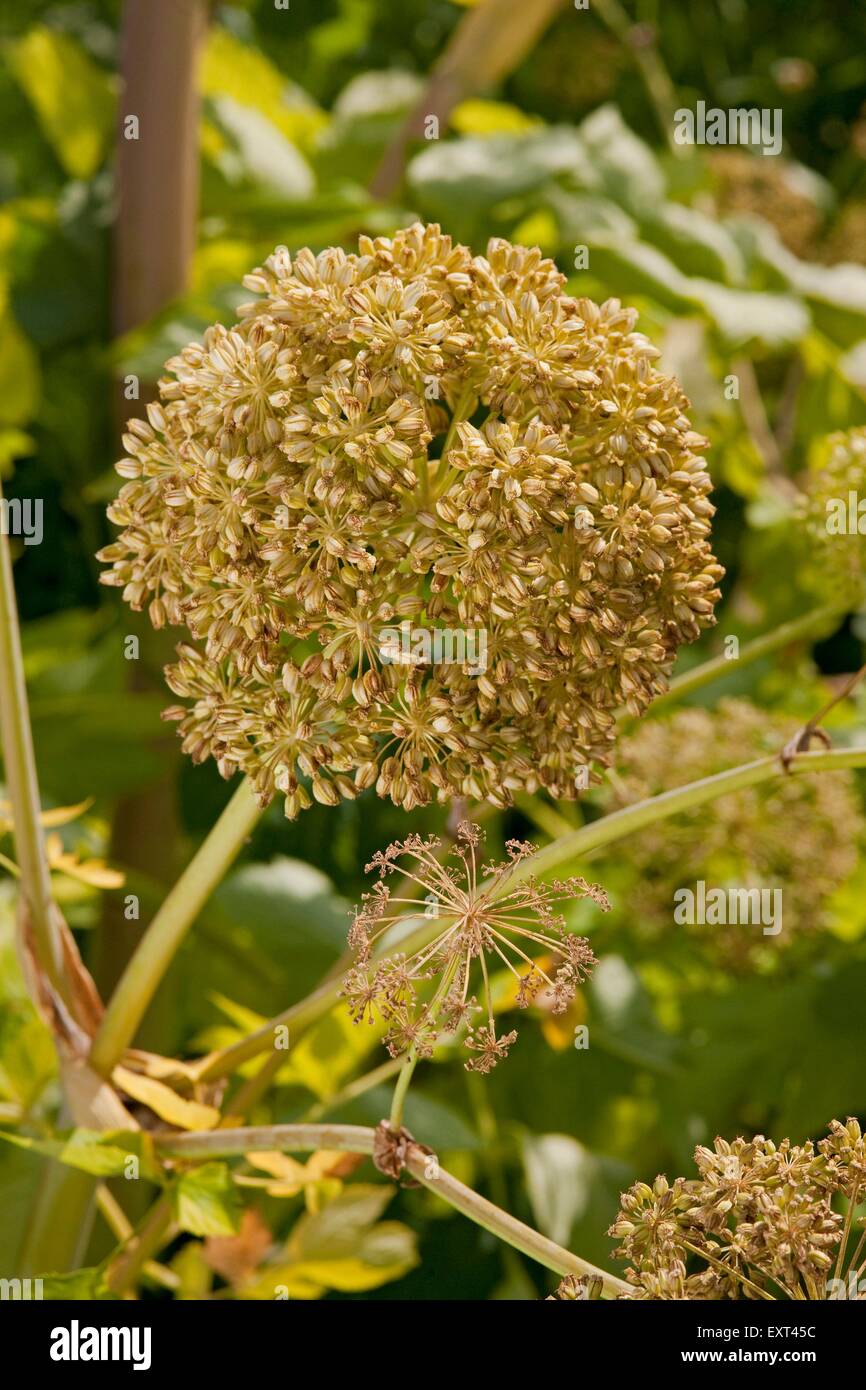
760 1221
485 918
799 835
415 434
835 567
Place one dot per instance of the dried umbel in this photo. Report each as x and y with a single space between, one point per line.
798 835
413 440
836 562
481 921
760 1221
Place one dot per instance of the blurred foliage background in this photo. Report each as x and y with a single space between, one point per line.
741 266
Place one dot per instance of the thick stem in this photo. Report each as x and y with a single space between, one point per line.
168 928
631 818
124 1271
20 767
307 1138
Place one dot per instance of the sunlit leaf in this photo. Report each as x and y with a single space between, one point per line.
205 1201
73 98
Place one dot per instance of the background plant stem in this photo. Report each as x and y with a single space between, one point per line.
816 622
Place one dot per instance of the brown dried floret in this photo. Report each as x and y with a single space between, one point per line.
482 913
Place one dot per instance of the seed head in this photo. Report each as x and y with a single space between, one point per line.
835 567
759 1221
799 834
415 434
483 919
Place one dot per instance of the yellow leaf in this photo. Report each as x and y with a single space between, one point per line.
233 69
164 1102
73 98
19 374
329 1053
94 872
476 116
61 815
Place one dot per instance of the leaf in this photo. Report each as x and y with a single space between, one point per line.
94 872
259 152
84 1285
103 1153
344 1246
329 1053
236 1258
629 171
73 98
292 1177
27 1057
748 316
389 92
233 69
559 1174
205 1201
19 374
164 1102
697 243
472 173
477 117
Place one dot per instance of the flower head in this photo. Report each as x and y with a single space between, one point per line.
798 835
487 917
760 1221
836 564
413 434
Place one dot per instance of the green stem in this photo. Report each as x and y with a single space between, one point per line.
125 1269
402 1088
307 1138
631 818
20 765
645 55
155 951
815 621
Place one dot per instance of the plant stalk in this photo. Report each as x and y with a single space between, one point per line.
155 951
20 766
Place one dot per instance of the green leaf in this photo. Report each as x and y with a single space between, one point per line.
19 375
85 1285
744 317
73 98
259 153
205 1201
343 1246
474 173
103 1153
627 168
698 244
559 1175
